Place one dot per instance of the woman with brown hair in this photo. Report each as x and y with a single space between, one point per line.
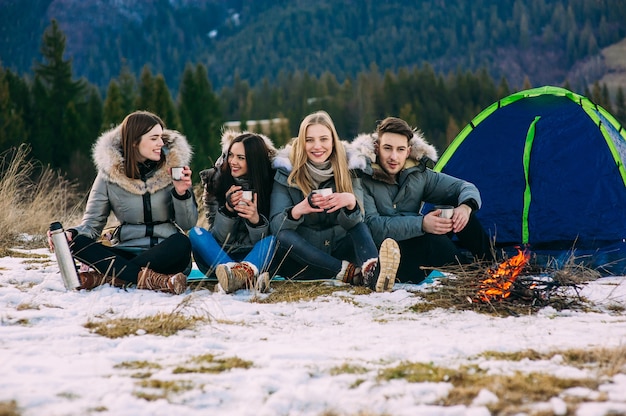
149 247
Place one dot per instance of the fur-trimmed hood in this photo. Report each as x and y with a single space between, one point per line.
107 156
364 150
282 161
229 135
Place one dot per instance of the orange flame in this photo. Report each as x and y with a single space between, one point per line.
500 281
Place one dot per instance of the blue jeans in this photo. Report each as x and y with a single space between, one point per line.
208 253
301 260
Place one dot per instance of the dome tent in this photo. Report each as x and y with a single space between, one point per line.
549 164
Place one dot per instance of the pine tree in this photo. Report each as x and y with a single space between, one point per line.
606 99
56 93
596 93
12 131
503 88
128 89
200 115
145 98
452 130
113 112
620 106
163 104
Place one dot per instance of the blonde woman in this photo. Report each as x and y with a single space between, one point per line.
321 234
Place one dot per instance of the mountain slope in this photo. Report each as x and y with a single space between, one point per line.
540 39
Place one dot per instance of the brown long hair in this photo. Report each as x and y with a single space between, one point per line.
338 159
134 126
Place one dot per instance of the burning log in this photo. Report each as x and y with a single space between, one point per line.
513 287
501 281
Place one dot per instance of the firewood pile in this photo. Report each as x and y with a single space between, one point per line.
511 288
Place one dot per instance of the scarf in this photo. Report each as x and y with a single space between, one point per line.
319 172
244 182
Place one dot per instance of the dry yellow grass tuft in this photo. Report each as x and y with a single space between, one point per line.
9 408
163 324
296 291
31 197
209 363
515 392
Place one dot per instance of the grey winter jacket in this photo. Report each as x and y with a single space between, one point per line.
234 232
322 230
148 211
392 207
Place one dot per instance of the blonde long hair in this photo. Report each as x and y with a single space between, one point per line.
338 159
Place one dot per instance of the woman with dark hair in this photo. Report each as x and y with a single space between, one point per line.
236 196
148 248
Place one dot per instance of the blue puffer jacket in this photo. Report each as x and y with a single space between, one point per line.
392 207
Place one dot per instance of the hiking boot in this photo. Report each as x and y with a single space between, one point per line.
263 283
384 273
235 276
369 274
170 283
92 279
351 274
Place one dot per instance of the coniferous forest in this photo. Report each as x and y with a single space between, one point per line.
202 63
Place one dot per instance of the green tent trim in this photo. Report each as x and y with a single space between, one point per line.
592 110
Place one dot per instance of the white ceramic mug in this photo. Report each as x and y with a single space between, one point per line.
177 173
324 191
245 195
446 210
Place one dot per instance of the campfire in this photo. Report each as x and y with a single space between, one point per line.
515 286
500 282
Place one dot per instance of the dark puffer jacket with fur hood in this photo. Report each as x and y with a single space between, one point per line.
235 232
392 204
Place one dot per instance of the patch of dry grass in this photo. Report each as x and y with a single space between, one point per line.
9 408
605 361
515 392
209 363
163 324
31 197
161 389
296 291
346 368
138 365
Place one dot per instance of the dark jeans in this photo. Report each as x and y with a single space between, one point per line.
171 256
300 260
439 250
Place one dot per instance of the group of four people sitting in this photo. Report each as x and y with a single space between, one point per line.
318 208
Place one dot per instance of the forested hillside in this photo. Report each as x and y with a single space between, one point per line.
259 39
200 63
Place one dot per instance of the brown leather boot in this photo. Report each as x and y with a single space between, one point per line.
171 283
352 275
93 278
235 276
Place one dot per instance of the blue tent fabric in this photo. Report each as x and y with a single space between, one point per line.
547 171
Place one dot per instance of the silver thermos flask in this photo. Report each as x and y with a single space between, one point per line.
64 256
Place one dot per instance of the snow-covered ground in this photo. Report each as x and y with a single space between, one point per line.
50 364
